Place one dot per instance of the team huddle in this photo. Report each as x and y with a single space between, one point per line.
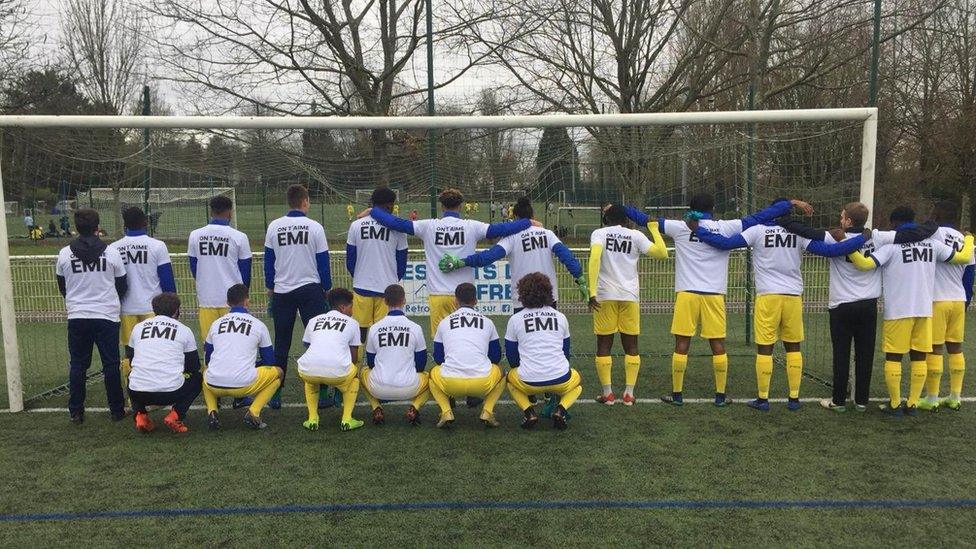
359 340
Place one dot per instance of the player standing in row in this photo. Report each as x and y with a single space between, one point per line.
376 257
529 251
952 294
776 259
396 357
297 275
148 273
467 353
333 342
614 284
220 257
908 277
449 234
701 281
91 278
239 358
165 365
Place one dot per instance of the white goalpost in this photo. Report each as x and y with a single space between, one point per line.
864 118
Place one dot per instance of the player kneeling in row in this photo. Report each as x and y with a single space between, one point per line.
467 352
165 365
396 356
537 346
237 352
333 342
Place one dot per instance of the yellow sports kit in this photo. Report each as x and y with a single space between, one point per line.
617 316
418 400
948 326
126 324
489 388
209 315
778 317
948 321
440 307
692 309
348 385
367 310
262 389
567 391
908 334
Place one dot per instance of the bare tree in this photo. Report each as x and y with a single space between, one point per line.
14 43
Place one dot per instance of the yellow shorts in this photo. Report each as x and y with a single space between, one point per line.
466 386
127 323
560 389
778 317
908 334
617 316
209 315
440 307
948 322
267 376
691 308
341 383
368 310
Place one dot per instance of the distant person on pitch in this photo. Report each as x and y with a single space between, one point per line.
165 365
240 360
91 278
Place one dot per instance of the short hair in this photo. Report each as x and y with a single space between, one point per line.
338 297
86 221
134 218
451 198
615 215
535 291
237 294
166 304
523 208
296 194
221 205
902 214
946 211
702 202
857 213
466 293
394 295
383 196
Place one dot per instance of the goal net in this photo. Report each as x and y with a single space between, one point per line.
10 208
569 166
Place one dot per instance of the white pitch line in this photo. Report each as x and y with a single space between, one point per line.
398 403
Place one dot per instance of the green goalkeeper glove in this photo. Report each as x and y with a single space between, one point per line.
451 263
584 287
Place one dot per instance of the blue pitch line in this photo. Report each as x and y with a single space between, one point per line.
662 504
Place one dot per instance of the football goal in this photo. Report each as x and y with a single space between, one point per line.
568 165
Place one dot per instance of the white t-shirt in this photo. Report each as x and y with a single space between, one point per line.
948 277
295 241
540 334
91 288
699 267
376 248
622 248
908 275
452 235
237 338
394 340
159 346
329 337
142 256
217 249
847 283
465 334
776 257
530 251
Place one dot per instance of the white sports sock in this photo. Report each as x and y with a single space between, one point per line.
629 390
607 390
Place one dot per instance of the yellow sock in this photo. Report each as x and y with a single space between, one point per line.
934 365
679 363
892 372
209 398
493 396
632 365
764 373
957 369
720 365
520 397
421 399
919 371
567 399
794 372
261 399
604 365
349 395
312 400
443 401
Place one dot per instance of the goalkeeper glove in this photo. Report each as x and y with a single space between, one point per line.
451 263
584 287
